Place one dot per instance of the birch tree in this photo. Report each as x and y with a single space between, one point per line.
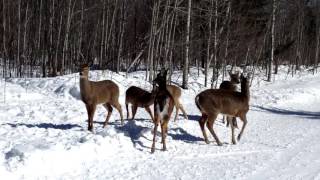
186 61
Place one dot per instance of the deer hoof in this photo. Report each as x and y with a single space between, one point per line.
234 142
239 137
152 150
207 141
219 143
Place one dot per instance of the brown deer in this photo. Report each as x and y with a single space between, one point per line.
138 97
163 107
175 92
231 86
101 92
211 102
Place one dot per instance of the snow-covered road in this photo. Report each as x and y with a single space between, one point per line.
43 134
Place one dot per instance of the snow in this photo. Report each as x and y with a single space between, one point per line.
43 133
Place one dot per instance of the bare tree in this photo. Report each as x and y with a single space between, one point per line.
270 66
186 61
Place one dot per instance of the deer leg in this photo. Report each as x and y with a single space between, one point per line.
183 111
234 122
211 119
149 111
109 109
90 110
118 107
232 129
244 119
134 110
202 122
127 111
166 119
164 129
177 111
224 121
156 122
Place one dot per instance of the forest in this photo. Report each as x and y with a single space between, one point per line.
49 38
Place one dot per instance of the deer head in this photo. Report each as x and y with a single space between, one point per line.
161 79
84 71
234 77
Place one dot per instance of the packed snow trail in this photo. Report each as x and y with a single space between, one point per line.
43 134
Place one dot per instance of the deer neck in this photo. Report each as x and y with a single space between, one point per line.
84 86
162 86
245 89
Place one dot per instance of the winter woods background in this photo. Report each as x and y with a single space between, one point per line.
42 38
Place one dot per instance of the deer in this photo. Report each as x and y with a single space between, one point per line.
175 92
98 92
231 86
163 107
212 102
138 97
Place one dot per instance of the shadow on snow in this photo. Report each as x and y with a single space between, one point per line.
47 126
135 132
304 114
194 117
183 135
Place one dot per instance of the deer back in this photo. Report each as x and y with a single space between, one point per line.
214 101
221 101
139 97
227 85
99 92
175 91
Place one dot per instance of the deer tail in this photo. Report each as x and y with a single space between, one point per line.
197 102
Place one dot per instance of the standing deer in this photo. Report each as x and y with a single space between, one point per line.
101 92
231 86
138 97
142 98
175 92
163 107
211 102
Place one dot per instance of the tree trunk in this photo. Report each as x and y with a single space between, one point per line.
66 40
25 40
4 52
19 73
215 43
207 65
316 59
270 66
186 61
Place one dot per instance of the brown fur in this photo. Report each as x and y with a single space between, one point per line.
101 92
231 86
211 102
163 107
175 92
138 97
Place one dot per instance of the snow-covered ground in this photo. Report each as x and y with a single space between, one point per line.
43 134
